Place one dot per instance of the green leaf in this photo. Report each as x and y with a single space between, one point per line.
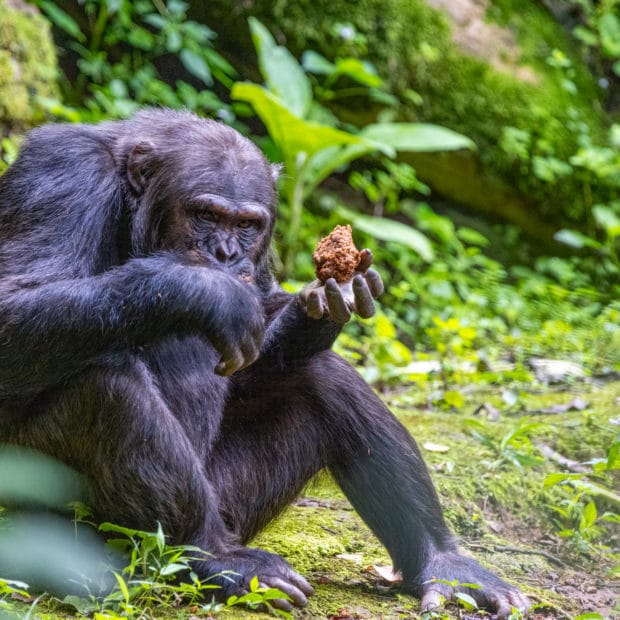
160 538
254 585
390 230
358 71
455 399
589 515
261 37
553 479
613 457
472 237
313 62
171 569
63 20
575 239
417 137
467 600
609 29
283 74
585 36
293 135
325 161
196 65
122 586
607 219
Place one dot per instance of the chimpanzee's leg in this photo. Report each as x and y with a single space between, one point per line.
113 426
324 415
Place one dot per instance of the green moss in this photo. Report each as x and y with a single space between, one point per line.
27 65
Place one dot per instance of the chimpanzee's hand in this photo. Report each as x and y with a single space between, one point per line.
237 329
339 301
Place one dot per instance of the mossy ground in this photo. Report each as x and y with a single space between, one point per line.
501 513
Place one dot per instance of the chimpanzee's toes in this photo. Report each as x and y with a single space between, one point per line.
296 594
491 593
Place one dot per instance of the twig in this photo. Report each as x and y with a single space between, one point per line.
562 460
507 549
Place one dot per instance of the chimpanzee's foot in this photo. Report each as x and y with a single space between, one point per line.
233 571
494 594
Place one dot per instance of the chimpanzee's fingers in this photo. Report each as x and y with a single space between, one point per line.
365 259
364 304
230 362
338 310
250 352
375 283
314 305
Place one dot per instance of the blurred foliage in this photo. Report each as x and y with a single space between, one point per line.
126 50
599 31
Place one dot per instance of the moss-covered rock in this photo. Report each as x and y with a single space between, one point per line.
27 65
480 66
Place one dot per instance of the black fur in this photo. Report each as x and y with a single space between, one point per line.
114 315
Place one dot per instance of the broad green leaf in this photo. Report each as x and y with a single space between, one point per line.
417 137
292 134
284 76
196 65
390 230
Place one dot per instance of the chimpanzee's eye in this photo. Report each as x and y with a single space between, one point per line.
207 216
246 224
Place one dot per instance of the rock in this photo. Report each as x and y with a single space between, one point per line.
28 66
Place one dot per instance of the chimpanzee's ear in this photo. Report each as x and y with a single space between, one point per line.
276 169
139 160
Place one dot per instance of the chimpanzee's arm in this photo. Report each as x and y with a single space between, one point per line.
48 332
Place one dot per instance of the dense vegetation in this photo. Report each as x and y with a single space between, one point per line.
470 302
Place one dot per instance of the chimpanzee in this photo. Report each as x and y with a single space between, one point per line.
145 342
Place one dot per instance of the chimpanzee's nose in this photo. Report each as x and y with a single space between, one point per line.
227 252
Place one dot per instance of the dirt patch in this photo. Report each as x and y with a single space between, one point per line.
477 37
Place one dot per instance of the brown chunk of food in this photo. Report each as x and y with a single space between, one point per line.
336 256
